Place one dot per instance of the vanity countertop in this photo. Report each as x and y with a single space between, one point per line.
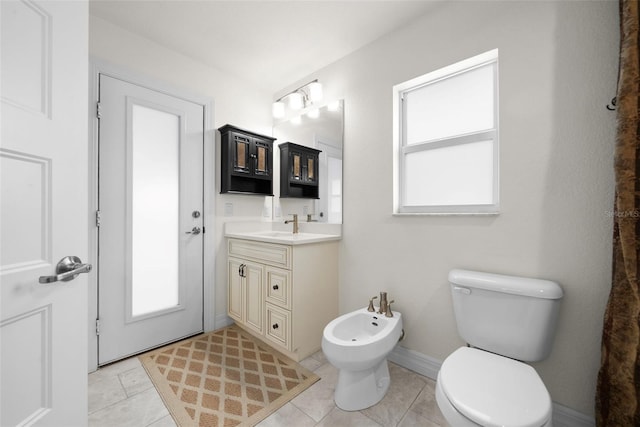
264 233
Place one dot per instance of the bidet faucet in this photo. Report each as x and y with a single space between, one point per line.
295 223
383 303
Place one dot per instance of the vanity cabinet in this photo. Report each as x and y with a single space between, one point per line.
246 161
293 289
298 171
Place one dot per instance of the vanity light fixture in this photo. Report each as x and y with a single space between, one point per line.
300 98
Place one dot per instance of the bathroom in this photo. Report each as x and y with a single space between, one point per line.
558 65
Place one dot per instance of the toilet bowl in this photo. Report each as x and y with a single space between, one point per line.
357 343
478 388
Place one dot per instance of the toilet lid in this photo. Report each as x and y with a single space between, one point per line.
493 390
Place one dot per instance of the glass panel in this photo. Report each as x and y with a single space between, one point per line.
456 175
241 155
453 106
296 166
310 170
262 159
155 213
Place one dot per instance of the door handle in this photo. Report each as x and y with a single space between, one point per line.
194 230
67 269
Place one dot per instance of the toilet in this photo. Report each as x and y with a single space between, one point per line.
357 343
506 321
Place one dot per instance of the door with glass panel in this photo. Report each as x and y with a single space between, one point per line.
150 269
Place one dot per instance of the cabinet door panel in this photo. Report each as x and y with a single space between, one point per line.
234 307
241 154
254 295
263 160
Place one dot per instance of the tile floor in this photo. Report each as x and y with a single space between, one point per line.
122 395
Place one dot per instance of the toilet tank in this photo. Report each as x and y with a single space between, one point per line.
508 315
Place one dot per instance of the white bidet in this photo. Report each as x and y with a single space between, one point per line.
358 343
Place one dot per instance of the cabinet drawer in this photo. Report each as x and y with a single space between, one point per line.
278 326
268 253
279 287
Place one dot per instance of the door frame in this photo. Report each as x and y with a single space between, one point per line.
96 68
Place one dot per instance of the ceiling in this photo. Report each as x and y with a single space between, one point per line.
270 43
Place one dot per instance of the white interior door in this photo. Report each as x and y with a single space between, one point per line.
330 165
43 186
150 279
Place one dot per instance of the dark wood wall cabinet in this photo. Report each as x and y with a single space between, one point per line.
298 171
246 162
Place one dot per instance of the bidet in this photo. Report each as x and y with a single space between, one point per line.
357 343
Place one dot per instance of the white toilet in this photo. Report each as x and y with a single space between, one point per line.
358 343
505 320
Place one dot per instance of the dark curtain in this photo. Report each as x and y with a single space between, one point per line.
618 388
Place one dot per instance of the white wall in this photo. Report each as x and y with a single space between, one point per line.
558 64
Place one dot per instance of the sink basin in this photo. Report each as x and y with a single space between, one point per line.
285 237
282 234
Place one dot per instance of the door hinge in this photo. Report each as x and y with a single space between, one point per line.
98 110
97 218
97 327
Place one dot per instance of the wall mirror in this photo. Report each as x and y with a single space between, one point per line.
324 133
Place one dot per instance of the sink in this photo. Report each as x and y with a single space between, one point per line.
282 234
285 237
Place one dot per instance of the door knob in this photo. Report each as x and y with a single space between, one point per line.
194 230
67 269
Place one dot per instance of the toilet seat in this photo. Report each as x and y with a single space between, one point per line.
493 390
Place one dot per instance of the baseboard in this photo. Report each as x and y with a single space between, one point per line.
416 362
563 416
221 321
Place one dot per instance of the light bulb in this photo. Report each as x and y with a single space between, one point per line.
315 91
334 106
296 101
278 109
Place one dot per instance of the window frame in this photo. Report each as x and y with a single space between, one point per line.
401 148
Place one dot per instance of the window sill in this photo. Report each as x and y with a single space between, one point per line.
408 214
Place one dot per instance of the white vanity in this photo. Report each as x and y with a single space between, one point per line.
283 287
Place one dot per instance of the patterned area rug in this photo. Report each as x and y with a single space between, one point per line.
224 378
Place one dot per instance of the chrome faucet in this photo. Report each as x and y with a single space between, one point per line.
309 216
295 223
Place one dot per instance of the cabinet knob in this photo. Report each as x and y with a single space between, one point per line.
275 287
274 326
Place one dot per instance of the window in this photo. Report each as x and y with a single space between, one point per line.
446 140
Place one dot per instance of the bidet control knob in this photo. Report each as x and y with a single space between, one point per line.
371 307
389 313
